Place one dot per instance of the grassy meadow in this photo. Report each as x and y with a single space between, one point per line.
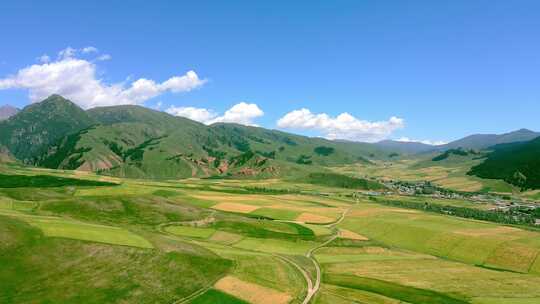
75 237
450 173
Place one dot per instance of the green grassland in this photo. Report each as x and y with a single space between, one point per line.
188 231
37 268
63 228
64 238
215 296
449 173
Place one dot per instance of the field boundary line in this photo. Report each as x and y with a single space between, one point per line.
199 292
309 282
534 261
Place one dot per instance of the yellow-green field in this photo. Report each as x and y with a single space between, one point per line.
448 175
205 241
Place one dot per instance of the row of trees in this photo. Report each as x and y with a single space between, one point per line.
512 216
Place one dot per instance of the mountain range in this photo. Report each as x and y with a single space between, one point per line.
405 147
485 141
471 142
134 141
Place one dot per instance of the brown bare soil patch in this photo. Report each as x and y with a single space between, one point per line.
374 211
227 238
235 207
347 234
488 231
251 292
313 218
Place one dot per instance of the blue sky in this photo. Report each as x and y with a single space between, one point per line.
447 69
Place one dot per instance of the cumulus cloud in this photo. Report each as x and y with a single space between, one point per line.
66 53
343 126
197 114
77 80
241 113
89 49
44 58
425 141
104 57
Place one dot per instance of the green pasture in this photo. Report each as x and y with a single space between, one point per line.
64 228
275 246
72 271
188 231
144 241
467 241
213 296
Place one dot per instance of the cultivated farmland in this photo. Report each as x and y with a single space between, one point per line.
212 241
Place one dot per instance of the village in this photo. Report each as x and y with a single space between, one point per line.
497 202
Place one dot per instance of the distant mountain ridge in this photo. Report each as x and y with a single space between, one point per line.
484 141
405 147
471 142
135 141
6 111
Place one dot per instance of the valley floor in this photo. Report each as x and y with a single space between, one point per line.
77 237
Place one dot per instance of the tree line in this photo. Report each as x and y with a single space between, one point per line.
512 216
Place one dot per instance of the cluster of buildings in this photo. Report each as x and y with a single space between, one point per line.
424 188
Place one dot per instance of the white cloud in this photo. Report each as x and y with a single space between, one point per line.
76 79
197 114
44 58
89 49
343 126
67 53
427 142
241 113
104 57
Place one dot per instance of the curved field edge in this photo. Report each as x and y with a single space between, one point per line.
213 296
70 271
392 290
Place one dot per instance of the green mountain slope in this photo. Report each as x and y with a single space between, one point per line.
483 141
133 141
517 163
184 149
137 114
135 149
39 125
289 147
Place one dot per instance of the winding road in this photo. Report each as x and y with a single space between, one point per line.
312 288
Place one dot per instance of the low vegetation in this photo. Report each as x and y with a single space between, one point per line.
83 239
46 181
458 152
342 181
512 216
